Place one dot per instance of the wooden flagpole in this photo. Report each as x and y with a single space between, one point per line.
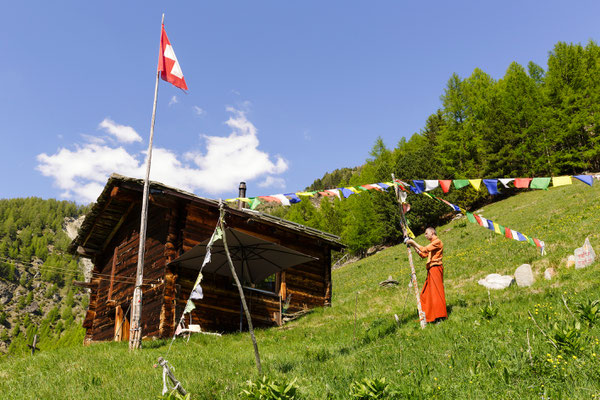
135 332
241 291
413 273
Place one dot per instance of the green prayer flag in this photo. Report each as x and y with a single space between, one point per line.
255 203
471 218
540 183
189 307
217 234
502 229
460 183
530 240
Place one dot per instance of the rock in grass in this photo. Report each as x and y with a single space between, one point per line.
496 281
389 282
585 255
549 273
524 276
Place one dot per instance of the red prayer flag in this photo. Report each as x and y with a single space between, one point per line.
270 198
508 233
168 65
522 183
445 184
478 218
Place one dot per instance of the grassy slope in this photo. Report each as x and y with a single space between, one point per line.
464 357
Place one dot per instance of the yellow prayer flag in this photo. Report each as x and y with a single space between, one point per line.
475 183
497 228
311 194
561 180
352 189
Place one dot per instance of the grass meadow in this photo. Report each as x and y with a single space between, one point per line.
489 348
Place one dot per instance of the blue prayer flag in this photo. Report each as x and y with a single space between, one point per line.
492 186
587 179
420 184
346 192
293 198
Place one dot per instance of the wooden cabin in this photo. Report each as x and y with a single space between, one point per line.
178 221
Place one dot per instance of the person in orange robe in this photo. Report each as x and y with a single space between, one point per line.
433 298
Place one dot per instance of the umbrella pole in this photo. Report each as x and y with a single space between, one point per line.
239 286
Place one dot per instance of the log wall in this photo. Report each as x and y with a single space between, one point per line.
174 227
118 263
308 284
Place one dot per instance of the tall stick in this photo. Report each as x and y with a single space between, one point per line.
241 291
135 331
413 273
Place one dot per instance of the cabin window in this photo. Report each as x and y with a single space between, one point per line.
269 284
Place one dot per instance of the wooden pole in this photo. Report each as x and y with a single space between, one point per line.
241 291
413 273
135 331
355 311
33 346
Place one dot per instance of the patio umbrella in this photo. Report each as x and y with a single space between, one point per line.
254 259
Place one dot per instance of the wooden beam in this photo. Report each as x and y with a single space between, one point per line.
96 220
116 228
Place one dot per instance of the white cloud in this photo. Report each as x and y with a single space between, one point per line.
271 181
123 133
173 100
198 110
93 139
82 172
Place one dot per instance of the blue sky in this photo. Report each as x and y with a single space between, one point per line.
280 92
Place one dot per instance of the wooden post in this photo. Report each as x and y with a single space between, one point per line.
413 273
355 310
241 291
33 346
176 384
135 332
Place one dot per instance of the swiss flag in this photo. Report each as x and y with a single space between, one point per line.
168 65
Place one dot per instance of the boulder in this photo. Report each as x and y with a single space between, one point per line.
496 281
389 282
585 255
33 308
524 276
571 261
549 273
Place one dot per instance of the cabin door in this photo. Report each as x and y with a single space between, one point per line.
121 325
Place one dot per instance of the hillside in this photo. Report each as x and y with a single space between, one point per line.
473 355
36 274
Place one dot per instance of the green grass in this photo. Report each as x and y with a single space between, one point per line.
465 357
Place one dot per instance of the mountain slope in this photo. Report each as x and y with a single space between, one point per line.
468 356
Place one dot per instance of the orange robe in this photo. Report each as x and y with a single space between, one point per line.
433 298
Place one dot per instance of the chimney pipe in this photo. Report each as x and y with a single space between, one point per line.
242 193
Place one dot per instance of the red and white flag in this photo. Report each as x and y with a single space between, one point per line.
168 65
